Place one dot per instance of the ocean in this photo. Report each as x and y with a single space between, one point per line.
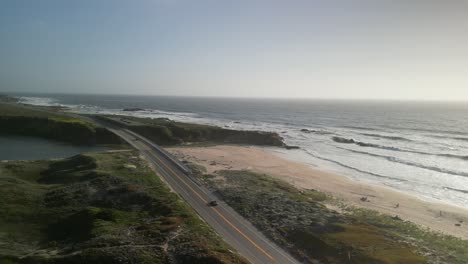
413 147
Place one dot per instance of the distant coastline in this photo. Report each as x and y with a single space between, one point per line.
395 145
327 207
172 134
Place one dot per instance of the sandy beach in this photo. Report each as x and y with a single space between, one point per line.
440 217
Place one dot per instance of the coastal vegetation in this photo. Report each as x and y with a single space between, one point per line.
8 99
110 207
99 208
55 124
164 131
303 222
26 121
95 207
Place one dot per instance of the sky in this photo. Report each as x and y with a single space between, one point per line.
348 49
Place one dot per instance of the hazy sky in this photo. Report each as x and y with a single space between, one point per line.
393 49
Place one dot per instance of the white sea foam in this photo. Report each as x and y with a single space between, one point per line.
40 101
380 160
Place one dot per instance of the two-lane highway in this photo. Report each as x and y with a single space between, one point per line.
233 228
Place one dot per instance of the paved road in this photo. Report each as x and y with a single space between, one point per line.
232 227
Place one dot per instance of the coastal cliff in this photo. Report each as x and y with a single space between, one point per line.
42 122
167 132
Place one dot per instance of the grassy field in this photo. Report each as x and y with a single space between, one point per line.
99 208
300 221
10 109
8 99
44 122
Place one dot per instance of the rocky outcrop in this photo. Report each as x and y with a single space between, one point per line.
344 140
292 147
134 109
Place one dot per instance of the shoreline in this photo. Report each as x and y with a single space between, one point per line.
437 216
445 218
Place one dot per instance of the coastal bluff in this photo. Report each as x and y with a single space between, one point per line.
164 131
38 122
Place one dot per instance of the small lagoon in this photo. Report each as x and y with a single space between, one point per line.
34 148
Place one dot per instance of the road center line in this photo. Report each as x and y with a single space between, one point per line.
215 210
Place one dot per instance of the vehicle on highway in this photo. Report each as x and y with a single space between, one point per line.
213 203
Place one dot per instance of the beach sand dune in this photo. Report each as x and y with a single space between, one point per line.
440 217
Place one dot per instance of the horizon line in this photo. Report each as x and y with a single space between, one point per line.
248 98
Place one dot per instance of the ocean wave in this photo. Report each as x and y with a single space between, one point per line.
39 101
457 190
439 131
409 163
360 128
460 138
370 145
315 131
47 101
452 156
52 102
161 112
387 137
353 168
448 137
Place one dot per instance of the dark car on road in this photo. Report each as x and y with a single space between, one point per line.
213 203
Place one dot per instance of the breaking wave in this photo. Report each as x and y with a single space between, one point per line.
370 145
315 131
438 131
409 163
353 168
360 128
40 101
445 137
457 190
387 137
